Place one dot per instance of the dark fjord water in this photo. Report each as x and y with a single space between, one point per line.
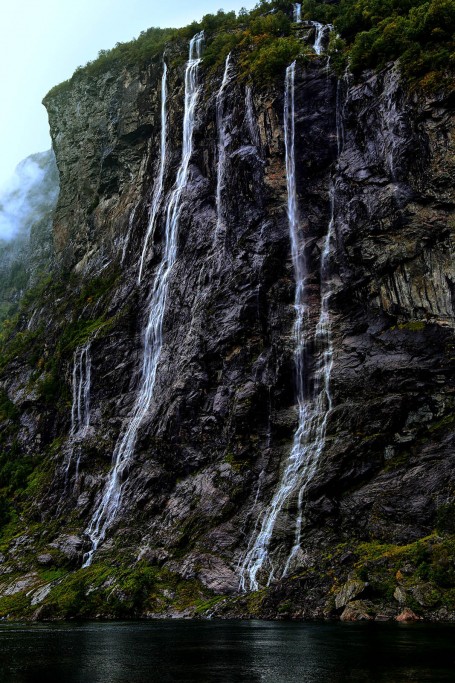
214 651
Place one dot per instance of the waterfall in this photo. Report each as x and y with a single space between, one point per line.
312 430
158 191
314 405
297 12
223 141
319 35
111 499
257 554
80 410
321 30
309 440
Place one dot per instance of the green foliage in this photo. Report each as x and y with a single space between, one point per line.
14 605
368 34
50 385
119 592
50 355
262 43
79 332
15 469
146 47
373 32
428 560
8 410
271 58
218 49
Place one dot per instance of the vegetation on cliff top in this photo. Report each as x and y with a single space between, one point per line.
370 33
367 34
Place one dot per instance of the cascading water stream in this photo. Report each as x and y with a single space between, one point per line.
298 12
159 185
80 410
314 407
309 440
257 554
223 141
316 417
321 30
111 499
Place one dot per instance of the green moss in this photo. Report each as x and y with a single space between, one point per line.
39 479
50 575
8 410
79 332
428 560
255 600
14 606
443 423
236 464
284 607
412 326
206 606
120 592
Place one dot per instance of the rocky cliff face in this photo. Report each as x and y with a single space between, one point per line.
374 162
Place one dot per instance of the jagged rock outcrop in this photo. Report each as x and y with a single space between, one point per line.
209 454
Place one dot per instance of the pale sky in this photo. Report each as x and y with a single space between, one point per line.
43 41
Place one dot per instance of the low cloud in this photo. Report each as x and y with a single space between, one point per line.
29 193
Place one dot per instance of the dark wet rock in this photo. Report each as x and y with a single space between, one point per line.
210 451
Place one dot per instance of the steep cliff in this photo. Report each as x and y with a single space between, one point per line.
192 513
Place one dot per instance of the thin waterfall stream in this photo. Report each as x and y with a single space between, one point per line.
321 30
314 405
223 141
159 185
110 502
298 12
80 410
80 407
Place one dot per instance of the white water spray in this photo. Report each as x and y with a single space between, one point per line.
111 499
80 410
319 36
223 142
321 30
257 554
297 12
158 191
314 406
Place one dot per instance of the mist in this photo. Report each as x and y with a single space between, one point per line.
27 204
27 195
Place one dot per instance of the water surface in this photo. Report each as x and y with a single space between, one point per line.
225 651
